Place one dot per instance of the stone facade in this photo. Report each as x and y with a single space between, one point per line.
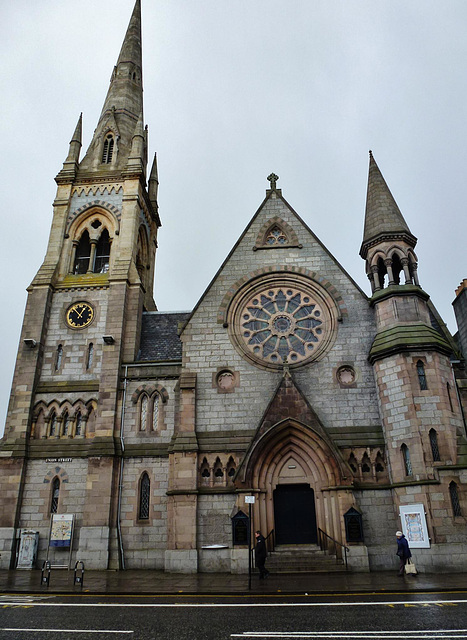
286 382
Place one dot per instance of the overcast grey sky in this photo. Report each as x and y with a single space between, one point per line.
233 91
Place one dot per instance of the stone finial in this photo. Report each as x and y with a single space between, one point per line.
273 179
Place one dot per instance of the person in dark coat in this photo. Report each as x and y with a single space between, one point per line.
261 555
403 551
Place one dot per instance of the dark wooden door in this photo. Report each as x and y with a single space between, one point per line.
295 514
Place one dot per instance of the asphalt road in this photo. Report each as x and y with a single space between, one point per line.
380 617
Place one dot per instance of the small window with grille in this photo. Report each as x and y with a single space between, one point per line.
144 497
454 493
55 495
434 445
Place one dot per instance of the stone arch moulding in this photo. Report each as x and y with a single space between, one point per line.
150 390
77 217
249 279
292 239
323 464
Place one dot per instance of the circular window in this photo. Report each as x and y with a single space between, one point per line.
346 375
283 318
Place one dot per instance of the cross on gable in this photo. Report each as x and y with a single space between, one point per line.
273 179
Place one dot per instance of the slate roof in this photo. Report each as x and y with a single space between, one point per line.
159 336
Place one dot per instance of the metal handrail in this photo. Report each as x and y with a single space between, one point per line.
272 544
324 546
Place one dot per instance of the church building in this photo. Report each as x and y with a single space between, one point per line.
334 416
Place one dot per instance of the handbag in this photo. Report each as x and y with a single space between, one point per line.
410 568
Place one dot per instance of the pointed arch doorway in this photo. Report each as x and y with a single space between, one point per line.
295 514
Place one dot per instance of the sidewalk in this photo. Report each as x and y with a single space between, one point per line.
160 583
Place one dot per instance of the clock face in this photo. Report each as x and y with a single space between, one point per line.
79 315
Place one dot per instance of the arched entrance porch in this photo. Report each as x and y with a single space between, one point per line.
300 482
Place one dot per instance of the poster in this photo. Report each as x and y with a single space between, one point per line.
414 527
61 530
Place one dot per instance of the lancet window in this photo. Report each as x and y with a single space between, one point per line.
83 254
107 151
407 462
55 495
421 376
144 497
434 445
454 494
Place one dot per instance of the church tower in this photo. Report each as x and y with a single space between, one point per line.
421 417
83 320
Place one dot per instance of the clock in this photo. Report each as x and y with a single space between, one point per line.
79 315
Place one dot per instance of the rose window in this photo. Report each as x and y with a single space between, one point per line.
283 323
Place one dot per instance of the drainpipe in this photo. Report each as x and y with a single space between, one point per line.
120 479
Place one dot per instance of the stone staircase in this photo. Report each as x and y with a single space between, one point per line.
302 558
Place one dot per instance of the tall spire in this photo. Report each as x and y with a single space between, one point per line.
383 217
123 105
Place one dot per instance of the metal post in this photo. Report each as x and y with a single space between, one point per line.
249 548
45 579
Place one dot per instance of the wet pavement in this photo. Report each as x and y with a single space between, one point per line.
159 583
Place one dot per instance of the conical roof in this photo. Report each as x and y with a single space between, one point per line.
382 216
123 105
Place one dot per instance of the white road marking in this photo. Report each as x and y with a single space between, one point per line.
234 605
313 634
65 630
382 635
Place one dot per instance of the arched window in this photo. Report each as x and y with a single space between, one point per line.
218 472
144 497
353 464
108 149
83 254
79 425
66 421
155 411
144 413
59 357
205 472
101 262
396 268
90 356
366 464
230 469
55 495
434 445
53 425
382 273
406 457
421 376
453 492
379 463
276 236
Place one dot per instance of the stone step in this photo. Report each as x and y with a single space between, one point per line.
302 559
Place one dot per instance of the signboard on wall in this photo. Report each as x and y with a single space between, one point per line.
414 527
61 530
